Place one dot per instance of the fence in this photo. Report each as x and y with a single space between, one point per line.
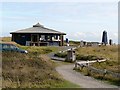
99 71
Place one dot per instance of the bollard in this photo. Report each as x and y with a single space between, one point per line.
71 57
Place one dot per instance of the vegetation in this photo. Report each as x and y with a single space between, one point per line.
37 71
109 65
30 71
108 52
5 39
62 55
87 57
105 77
39 50
72 43
79 56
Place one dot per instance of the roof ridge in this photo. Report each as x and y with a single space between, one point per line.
38 29
38 25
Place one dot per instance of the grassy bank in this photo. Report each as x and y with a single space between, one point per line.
39 50
79 56
30 71
5 39
104 77
108 52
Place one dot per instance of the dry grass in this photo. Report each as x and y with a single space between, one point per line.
21 70
31 49
72 43
108 52
5 39
30 71
39 50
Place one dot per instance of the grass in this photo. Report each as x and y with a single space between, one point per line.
5 39
68 84
72 43
62 55
30 71
32 49
106 78
109 65
79 56
40 50
108 52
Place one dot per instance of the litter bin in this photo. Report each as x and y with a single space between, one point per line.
71 57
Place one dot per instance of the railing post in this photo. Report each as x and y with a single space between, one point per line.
75 63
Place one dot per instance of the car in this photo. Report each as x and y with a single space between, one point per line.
10 47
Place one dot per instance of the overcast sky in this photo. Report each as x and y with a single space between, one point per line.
80 21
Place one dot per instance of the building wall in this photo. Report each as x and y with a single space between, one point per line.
22 38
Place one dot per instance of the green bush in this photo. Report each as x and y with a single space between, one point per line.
87 57
61 55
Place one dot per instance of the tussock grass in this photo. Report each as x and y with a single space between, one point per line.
109 65
30 71
108 52
104 77
22 70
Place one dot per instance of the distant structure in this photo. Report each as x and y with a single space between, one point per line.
67 41
84 44
110 42
104 38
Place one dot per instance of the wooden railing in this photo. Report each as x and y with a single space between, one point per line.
96 70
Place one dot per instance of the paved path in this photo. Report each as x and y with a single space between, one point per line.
84 81
77 78
63 49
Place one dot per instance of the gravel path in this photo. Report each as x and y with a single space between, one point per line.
84 81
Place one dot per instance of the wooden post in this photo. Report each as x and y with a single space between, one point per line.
13 37
61 42
31 40
38 39
31 37
75 63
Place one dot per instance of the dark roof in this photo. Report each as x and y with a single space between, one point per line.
38 28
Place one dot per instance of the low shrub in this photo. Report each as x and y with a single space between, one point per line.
88 57
61 55
28 71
